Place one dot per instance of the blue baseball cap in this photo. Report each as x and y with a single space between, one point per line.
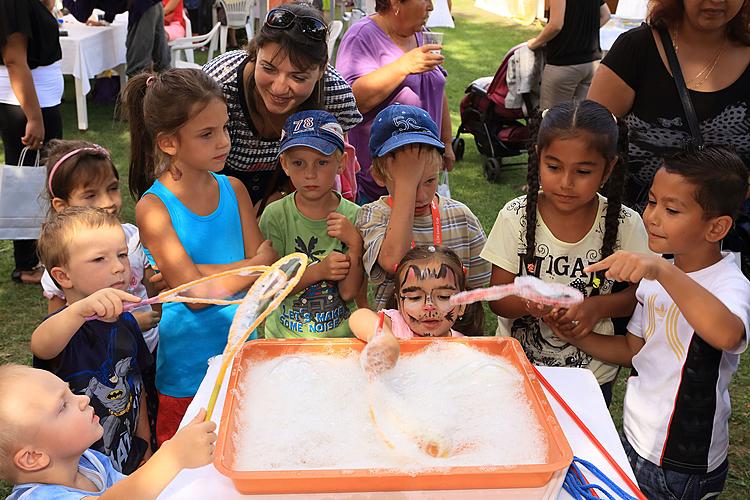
399 125
314 129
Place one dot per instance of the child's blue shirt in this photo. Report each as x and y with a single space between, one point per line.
92 464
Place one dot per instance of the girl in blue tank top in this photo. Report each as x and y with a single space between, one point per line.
193 221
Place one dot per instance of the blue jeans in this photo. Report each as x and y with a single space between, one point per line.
658 483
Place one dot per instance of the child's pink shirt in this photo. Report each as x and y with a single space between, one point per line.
401 330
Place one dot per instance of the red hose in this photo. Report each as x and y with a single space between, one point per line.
590 435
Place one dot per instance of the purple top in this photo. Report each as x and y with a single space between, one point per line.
365 48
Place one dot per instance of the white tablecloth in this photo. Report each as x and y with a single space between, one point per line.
577 386
614 28
89 50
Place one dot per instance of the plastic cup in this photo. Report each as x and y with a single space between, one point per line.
432 38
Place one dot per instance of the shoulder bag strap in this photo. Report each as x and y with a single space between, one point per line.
687 105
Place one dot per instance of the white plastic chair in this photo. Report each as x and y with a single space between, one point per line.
334 30
188 44
239 15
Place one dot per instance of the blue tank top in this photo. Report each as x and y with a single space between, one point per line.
192 336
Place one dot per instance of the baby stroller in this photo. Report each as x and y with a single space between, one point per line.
498 131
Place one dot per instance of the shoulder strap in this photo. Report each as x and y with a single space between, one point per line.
696 141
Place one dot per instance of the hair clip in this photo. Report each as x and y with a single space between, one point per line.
463 268
150 80
544 113
431 249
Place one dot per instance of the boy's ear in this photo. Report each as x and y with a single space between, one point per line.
58 204
282 161
167 143
28 459
376 177
60 275
718 228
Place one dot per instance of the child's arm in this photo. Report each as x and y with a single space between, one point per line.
191 447
383 351
342 229
50 338
249 218
406 168
708 316
143 430
176 266
55 304
616 349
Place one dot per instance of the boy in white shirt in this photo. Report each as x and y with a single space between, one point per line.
689 328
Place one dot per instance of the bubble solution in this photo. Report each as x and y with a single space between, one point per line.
444 406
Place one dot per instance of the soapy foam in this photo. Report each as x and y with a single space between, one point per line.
448 405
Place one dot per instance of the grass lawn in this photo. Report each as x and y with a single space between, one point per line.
474 49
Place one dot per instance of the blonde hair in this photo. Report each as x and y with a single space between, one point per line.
9 428
379 167
61 228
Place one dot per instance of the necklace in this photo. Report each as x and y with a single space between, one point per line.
707 70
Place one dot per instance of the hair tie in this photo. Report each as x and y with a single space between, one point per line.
150 80
95 148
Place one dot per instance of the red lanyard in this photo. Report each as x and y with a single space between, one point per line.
437 228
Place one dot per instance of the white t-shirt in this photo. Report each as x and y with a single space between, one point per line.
676 409
138 262
558 262
48 84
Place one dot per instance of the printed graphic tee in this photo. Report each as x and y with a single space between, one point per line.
319 310
558 262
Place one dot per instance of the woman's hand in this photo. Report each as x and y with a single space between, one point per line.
421 60
34 136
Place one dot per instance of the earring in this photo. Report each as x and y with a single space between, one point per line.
460 317
397 11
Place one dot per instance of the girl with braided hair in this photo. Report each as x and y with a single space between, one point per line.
560 226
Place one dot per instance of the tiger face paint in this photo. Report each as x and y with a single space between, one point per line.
423 298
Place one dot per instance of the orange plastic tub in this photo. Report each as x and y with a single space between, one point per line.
559 453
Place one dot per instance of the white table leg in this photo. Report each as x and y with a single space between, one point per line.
121 68
83 114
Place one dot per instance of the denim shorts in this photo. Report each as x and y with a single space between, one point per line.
658 483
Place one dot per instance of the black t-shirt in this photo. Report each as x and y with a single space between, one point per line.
578 41
657 122
105 361
33 19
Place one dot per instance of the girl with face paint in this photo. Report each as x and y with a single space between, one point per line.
426 279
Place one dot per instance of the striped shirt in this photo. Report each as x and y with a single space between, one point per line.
462 233
250 153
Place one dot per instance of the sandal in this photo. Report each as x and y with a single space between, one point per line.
30 277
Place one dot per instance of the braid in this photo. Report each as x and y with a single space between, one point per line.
614 192
532 194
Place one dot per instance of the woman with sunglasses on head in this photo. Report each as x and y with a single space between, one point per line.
384 59
283 70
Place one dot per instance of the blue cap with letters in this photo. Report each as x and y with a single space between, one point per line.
314 129
399 125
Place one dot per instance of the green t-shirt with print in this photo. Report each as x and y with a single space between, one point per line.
319 310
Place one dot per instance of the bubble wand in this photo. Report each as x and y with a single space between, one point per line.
268 291
182 293
526 287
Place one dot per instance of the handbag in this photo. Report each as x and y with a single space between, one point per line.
443 189
696 138
23 202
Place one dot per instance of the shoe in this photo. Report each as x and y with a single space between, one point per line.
32 277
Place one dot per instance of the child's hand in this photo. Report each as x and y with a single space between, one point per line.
536 309
629 266
334 267
193 445
380 354
147 319
576 321
563 335
406 166
342 229
266 252
158 282
105 303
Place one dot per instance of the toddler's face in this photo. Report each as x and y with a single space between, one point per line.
98 258
56 421
425 288
312 173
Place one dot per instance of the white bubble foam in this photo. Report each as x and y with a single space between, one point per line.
449 400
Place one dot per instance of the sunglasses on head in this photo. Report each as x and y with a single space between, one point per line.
309 26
